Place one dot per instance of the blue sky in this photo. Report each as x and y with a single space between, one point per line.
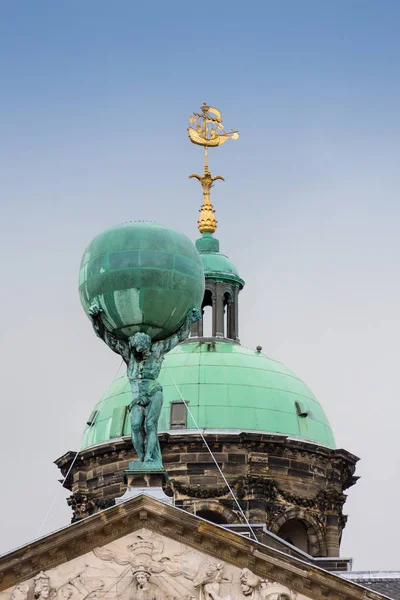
95 100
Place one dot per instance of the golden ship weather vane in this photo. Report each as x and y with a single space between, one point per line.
206 129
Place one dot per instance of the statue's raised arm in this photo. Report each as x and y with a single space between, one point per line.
166 345
118 346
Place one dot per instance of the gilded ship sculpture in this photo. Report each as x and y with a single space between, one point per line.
206 129
208 124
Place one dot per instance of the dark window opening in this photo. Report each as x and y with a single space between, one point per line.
178 415
294 532
212 516
207 322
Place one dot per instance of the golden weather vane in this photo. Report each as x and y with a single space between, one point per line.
206 129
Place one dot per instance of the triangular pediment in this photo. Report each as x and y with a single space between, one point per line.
144 549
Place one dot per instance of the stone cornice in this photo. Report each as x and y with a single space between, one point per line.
221 436
111 524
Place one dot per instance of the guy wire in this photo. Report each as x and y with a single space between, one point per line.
212 455
199 431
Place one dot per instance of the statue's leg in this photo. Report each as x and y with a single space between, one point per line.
137 430
153 450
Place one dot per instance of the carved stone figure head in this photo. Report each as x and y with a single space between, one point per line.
208 573
141 577
140 342
249 582
42 586
67 591
271 590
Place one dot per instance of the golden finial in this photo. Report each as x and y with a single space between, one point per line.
205 134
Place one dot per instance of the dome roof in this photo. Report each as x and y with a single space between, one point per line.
215 264
227 386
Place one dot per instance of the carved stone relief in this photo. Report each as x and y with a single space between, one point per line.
255 588
147 566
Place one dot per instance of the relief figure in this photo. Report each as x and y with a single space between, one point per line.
141 588
208 581
271 590
256 588
42 589
250 585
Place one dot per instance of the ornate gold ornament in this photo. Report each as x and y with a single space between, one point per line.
206 129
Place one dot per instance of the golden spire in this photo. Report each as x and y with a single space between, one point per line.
205 134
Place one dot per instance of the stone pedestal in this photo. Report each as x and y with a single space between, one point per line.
144 481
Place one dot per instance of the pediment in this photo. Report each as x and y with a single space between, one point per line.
146 550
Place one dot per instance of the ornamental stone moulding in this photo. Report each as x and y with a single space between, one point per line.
147 566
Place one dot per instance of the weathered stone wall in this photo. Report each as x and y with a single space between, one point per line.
275 480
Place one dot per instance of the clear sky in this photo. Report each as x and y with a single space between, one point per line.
94 105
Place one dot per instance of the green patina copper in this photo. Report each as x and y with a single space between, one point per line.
227 387
145 277
216 266
143 365
142 285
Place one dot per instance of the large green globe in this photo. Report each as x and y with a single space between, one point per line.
145 277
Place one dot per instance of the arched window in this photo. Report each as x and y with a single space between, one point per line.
214 517
294 531
207 314
213 511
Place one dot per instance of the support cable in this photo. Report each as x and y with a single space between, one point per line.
75 458
212 455
199 431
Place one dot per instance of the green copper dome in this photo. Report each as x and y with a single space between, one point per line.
216 262
227 386
216 265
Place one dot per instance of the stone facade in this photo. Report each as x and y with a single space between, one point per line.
295 489
147 566
144 549
286 487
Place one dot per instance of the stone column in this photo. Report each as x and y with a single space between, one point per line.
219 309
201 324
332 535
235 314
229 329
214 315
